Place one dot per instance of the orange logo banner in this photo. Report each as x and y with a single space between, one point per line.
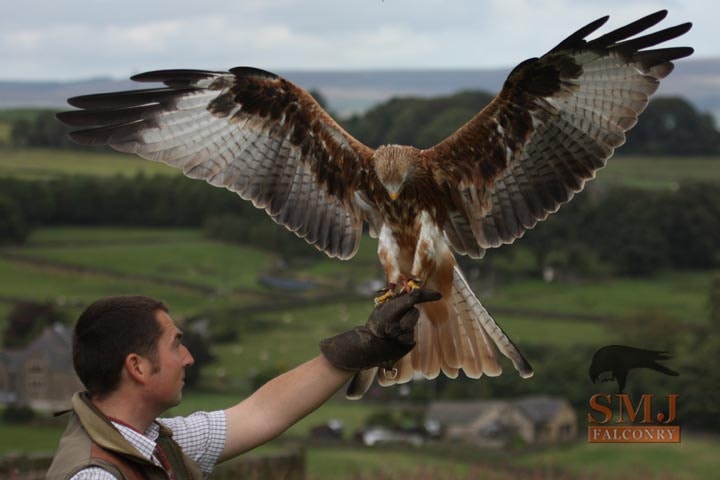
615 419
634 434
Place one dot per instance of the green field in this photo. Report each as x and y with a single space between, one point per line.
346 463
77 265
208 264
693 458
79 289
73 266
659 172
293 332
14 114
43 164
290 335
681 295
644 172
29 438
73 236
5 131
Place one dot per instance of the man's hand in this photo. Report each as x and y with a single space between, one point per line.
387 336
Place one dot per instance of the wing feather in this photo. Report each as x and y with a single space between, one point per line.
556 122
246 130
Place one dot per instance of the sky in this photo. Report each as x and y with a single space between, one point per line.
78 39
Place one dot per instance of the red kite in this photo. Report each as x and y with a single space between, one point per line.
556 122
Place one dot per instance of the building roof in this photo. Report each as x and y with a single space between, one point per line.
538 409
462 412
54 345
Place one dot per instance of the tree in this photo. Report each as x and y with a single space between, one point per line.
41 130
20 133
13 228
714 303
27 319
672 126
421 122
199 348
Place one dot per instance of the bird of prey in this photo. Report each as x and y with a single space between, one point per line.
556 121
618 360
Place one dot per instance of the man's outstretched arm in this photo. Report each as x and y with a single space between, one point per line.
279 404
286 399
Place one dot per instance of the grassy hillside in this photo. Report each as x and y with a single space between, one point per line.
692 459
659 172
8 117
206 264
5 131
680 295
77 265
74 266
644 172
42 164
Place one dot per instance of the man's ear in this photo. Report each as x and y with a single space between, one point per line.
137 368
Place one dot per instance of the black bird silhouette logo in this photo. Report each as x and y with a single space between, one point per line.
613 362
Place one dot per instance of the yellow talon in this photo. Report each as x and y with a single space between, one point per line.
387 295
412 284
390 374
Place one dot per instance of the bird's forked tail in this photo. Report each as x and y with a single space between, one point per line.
469 340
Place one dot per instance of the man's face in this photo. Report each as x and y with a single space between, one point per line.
173 357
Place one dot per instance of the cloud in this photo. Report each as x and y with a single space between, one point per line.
79 38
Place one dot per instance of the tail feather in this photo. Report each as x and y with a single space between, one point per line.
449 338
471 363
405 369
467 338
426 355
484 348
360 384
450 372
404 372
489 327
663 369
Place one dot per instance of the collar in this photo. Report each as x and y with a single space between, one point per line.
145 442
113 435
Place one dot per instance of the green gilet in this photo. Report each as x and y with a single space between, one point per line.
91 440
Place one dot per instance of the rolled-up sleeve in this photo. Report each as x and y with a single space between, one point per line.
201 436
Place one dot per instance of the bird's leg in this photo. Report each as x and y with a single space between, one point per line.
387 253
412 284
426 250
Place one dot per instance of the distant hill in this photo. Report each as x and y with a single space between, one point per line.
355 91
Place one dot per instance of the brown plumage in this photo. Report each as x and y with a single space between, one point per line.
556 121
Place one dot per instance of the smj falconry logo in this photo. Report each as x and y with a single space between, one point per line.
615 418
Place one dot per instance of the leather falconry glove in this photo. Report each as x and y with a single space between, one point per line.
387 336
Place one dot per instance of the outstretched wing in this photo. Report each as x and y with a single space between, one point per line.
556 121
249 131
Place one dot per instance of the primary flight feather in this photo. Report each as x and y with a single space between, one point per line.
556 121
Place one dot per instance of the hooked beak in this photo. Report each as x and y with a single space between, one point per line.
394 196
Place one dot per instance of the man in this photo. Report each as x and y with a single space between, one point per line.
128 353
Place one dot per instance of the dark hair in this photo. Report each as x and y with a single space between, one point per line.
107 332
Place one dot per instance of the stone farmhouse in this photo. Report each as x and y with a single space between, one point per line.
533 420
40 375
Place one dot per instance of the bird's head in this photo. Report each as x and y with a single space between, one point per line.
597 374
593 375
395 166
